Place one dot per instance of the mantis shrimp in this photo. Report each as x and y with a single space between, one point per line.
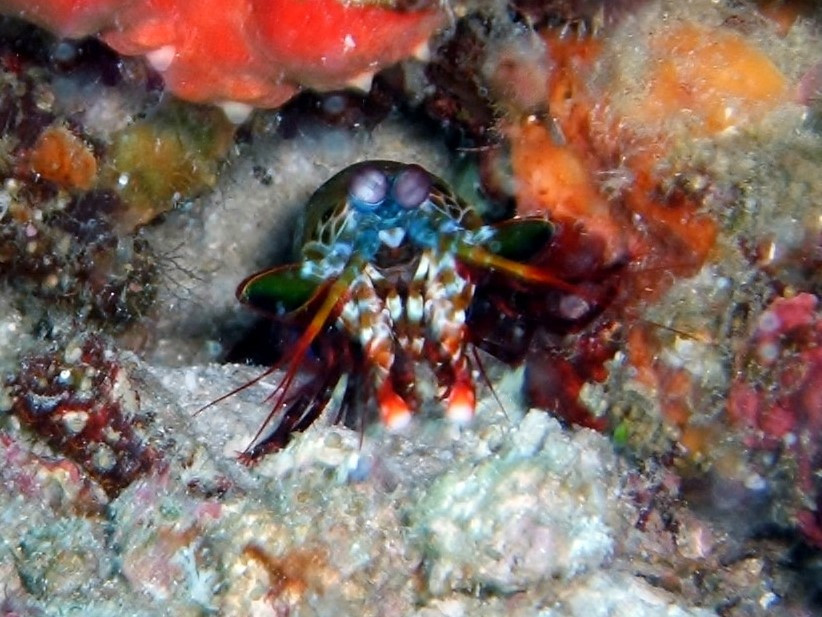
395 270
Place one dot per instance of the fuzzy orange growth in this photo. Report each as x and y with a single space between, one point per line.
62 158
677 235
596 172
714 75
677 386
572 106
678 398
641 351
674 387
698 440
557 179
573 60
562 179
552 176
567 177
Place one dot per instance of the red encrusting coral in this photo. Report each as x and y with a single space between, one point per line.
79 400
254 52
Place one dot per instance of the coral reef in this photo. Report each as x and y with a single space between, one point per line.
633 142
774 401
79 180
468 521
683 190
48 251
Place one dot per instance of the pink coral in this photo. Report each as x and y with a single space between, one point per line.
243 53
779 402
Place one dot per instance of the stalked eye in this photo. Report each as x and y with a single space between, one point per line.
411 187
368 188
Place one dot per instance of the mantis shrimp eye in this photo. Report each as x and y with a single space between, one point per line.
368 188
411 187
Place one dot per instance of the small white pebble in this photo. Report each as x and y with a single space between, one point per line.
768 600
162 57
768 352
789 439
73 354
235 111
769 322
190 380
755 482
75 421
573 307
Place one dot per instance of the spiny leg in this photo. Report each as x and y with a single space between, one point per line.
447 298
300 412
407 313
338 291
412 324
367 318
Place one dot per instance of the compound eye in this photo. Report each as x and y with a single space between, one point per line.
411 187
368 188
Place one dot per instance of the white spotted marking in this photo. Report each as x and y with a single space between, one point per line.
361 81
348 43
414 308
394 303
161 58
235 111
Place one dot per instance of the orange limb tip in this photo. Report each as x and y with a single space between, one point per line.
394 411
461 403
